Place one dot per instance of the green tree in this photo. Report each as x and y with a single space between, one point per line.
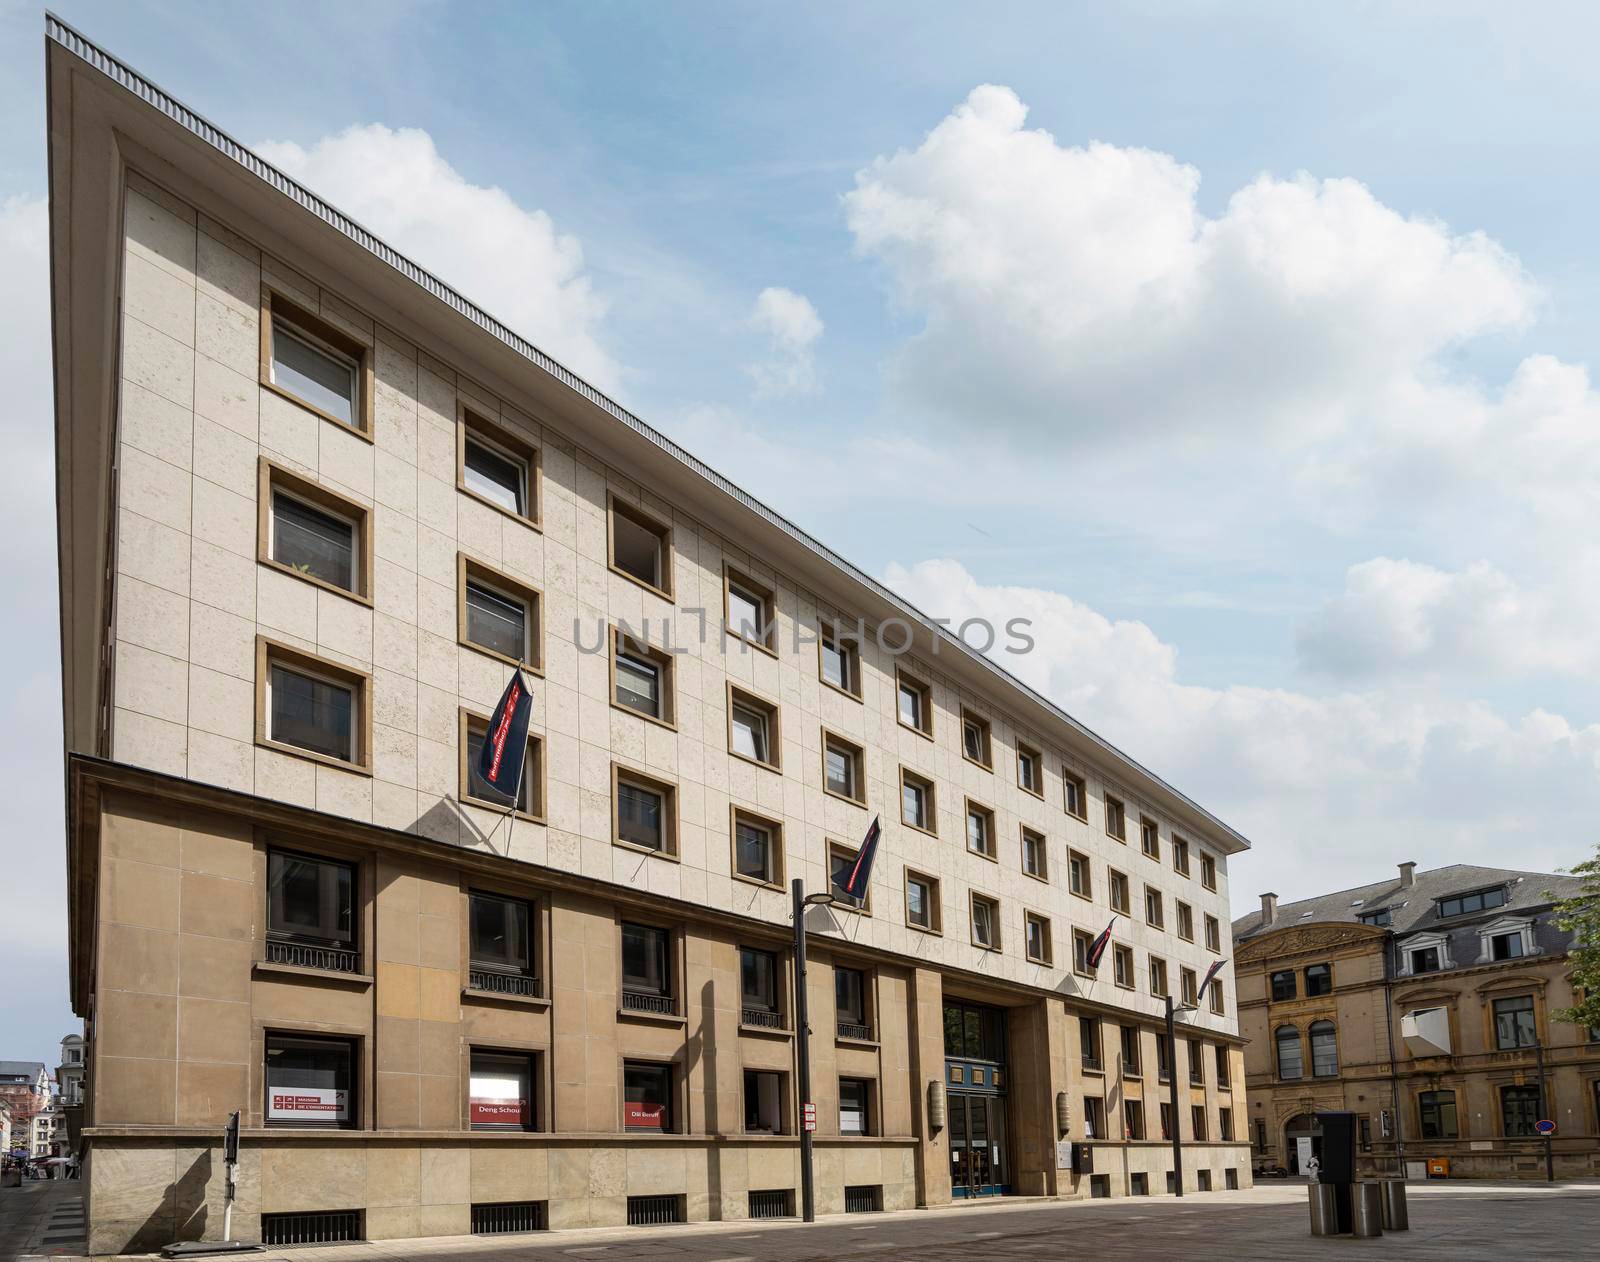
1580 915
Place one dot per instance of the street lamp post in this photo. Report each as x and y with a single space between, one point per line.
802 1044
1172 1090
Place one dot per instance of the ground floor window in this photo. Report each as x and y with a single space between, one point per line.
647 1096
855 1106
310 1081
500 1091
763 1102
1436 1113
1519 1110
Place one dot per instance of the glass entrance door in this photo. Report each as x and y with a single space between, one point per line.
977 1145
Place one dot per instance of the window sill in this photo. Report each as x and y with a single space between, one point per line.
1088 898
867 1045
843 692
754 644
668 855
766 1031
316 411
663 593
1035 876
521 518
669 724
360 598
1082 819
758 882
484 804
756 762
931 932
535 1002
983 854
927 736
1034 959
527 668
985 766
844 797
651 1018
310 755
917 828
358 981
1033 793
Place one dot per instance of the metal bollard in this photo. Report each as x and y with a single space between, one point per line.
1395 1215
1366 1209
1324 1209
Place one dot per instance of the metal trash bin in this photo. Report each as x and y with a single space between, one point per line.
1395 1215
1324 1209
1366 1209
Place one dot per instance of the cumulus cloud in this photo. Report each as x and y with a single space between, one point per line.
1333 790
509 259
792 326
1080 292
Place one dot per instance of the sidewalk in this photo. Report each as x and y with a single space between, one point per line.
42 1219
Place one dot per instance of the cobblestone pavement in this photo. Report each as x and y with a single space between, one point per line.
41 1218
1456 1221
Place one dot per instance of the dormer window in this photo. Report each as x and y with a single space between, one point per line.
1467 904
1378 919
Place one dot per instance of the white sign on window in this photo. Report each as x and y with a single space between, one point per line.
307 1104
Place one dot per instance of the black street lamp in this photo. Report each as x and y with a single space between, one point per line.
1172 1089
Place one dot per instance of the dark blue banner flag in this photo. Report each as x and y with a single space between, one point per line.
505 740
855 884
1210 973
1097 948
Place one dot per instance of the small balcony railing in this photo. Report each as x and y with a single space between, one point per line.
493 983
642 1001
855 1030
306 955
766 1018
1092 1064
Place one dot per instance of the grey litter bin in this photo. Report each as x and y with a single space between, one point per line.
1324 1209
1395 1216
1366 1209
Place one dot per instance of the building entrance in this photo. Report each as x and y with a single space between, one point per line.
1301 1126
975 1096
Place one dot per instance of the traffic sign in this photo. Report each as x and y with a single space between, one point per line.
808 1116
1545 1126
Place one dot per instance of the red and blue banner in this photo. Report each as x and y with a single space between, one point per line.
1210 973
1097 948
855 884
505 740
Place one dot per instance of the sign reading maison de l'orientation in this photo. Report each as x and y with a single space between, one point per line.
308 1104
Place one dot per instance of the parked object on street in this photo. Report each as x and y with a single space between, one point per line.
1366 1209
1396 1217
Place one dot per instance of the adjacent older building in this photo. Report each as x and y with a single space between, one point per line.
25 1089
315 508
1422 1004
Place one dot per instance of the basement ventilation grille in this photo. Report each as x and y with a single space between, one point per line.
510 1216
865 1199
652 1211
774 1204
331 1226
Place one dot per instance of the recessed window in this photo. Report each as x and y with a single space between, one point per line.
497 615
916 801
1319 979
1082 944
1467 904
1153 913
647 969
641 678
1197 1119
530 788
922 902
500 943
1158 977
839 661
975 739
647 1097
641 547
843 768
1185 915
1118 885
1380 919
1180 856
1036 934
1284 985
1506 946
644 812
496 466
1130 1050
850 1003
1208 871
1078 878
1094 1118
1164 1074
1074 794
757 848
752 728
1122 966
914 703
855 1106
1436 1114
1133 1119
1035 855
310 1081
985 922
980 829
1030 770
1224 1073
309 360
1324 1050
1425 960
1213 934
1187 983
758 988
310 705
500 1093
1149 838
311 911
841 863
308 531
749 611
1116 819
763 1102
1519 1110
1514 1023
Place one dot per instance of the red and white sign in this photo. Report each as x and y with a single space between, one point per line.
808 1119
639 1116
307 1104
498 1112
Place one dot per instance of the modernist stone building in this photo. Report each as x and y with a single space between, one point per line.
1420 1003
314 506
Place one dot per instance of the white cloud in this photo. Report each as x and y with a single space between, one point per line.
792 326
510 260
1079 291
1334 790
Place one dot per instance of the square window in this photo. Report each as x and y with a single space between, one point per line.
922 902
1078 876
1180 856
1074 794
1284 985
980 829
753 728
1035 855
1030 770
500 935
1149 838
647 1097
763 1102
641 677
914 703
1037 932
757 848
500 1094
855 1106
310 1081
311 706
498 615
1319 979
975 745
308 531
843 768
647 968
311 911
530 789
985 922
839 661
1116 819
916 801
1118 883
1425 960
319 366
1506 946
645 811
841 862
748 610
641 547
496 466
1122 965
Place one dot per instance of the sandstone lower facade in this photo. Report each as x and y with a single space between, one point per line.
371 1071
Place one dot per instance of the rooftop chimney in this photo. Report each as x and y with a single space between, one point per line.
1408 875
1269 909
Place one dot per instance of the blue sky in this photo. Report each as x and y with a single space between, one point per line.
1249 360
